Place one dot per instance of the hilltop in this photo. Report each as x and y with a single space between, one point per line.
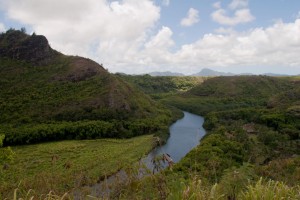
42 86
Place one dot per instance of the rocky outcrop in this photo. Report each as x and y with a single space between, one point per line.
35 49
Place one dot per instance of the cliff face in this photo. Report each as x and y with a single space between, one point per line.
20 46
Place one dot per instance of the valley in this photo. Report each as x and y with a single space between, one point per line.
66 123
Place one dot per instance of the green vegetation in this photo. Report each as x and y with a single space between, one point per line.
47 96
6 154
270 190
252 120
161 86
63 166
253 131
253 125
227 93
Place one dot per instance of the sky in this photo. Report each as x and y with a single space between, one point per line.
141 36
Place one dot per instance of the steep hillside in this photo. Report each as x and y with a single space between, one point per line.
39 85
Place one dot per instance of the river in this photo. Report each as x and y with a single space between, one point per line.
185 134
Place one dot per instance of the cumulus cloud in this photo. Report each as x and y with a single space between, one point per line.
241 14
277 46
99 29
273 46
162 40
121 36
191 18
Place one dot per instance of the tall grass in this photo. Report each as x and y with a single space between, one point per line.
196 190
271 190
30 195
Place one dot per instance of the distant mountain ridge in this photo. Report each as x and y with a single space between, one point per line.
166 73
212 73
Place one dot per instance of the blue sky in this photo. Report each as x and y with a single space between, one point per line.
140 36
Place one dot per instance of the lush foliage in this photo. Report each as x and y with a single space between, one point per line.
35 133
272 190
46 96
253 125
162 86
6 154
63 166
249 120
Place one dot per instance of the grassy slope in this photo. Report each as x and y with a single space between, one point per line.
75 163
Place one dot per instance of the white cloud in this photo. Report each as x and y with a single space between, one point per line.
191 18
157 50
277 45
2 27
122 37
274 46
162 40
240 16
242 13
98 29
166 2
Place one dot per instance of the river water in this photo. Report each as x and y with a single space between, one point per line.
185 134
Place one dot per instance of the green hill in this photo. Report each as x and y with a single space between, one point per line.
225 93
162 86
250 120
42 87
241 87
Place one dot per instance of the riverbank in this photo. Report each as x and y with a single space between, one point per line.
185 134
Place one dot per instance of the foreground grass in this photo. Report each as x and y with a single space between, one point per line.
63 166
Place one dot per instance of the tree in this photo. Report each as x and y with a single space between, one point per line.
23 30
6 154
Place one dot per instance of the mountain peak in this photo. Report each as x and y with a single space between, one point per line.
33 48
210 72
